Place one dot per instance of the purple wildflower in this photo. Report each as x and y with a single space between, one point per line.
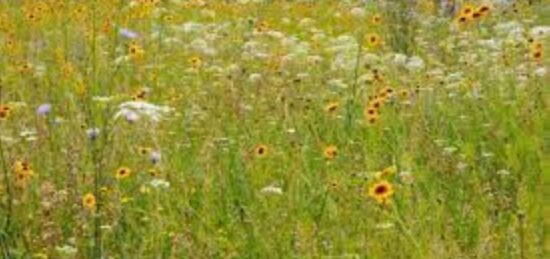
128 33
44 109
155 157
92 133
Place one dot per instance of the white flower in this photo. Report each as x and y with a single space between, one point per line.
540 72
159 184
133 110
271 190
399 59
540 31
358 12
415 63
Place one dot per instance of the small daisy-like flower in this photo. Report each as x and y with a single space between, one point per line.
20 166
370 111
23 173
483 10
135 51
144 150
332 107
261 150
196 62
89 201
154 172
381 191
25 67
122 173
140 95
404 94
5 112
262 26
372 119
330 152
376 19
373 40
467 10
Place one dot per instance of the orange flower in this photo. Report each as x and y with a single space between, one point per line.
330 152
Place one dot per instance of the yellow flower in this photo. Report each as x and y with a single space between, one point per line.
390 170
467 10
330 152
332 107
381 191
376 19
135 51
404 94
122 173
261 150
89 201
139 95
261 27
5 112
154 172
196 62
373 40
144 151
372 118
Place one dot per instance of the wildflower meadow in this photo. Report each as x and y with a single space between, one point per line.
274 129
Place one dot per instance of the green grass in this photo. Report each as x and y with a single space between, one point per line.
470 149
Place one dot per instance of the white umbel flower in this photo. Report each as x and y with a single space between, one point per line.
134 110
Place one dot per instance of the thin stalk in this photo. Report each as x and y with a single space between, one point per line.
5 235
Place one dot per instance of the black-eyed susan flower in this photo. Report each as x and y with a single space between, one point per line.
261 150
135 51
373 40
483 10
140 95
23 173
123 173
376 19
372 119
25 67
144 151
332 107
377 102
196 62
5 112
370 111
536 50
386 91
262 26
381 191
154 172
89 201
467 10
404 94
330 152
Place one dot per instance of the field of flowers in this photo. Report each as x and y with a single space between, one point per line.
274 129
